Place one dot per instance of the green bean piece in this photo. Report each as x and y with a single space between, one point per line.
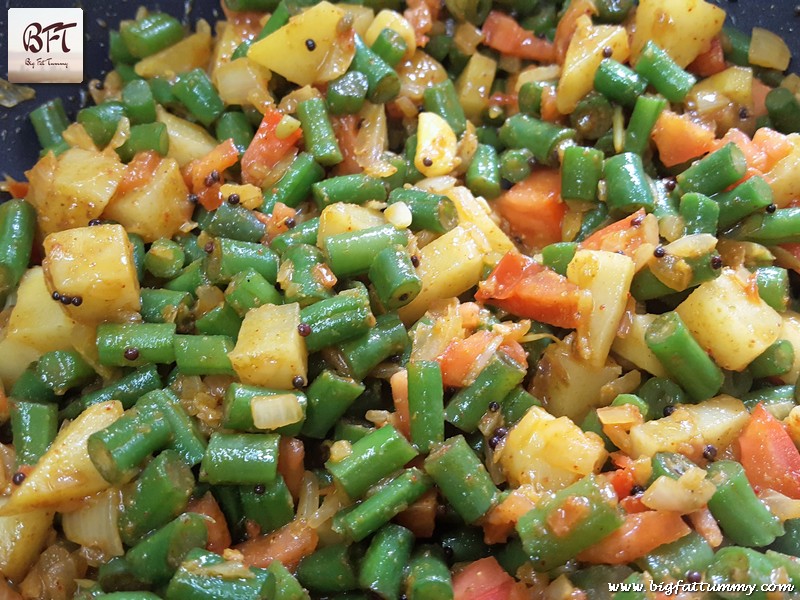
62 370
329 397
390 46
776 360
645 114
682 357
151 34
198 579
350 430
779 227
144 137
186 437
501 375
234 125
372 458
425 404
127 390
17 228
394 277
383 81
613 11
161 89
646 285
157 496
345 316
352 253
196 92
734 565
474 11
116 576
546 548
286 585
346 94
592 117
135 344
256 5
442 99
354 189
789 563
735 46
382 568
137 98
120 448
238 407
240 459
295 184
743 200
306 281
304 233
744 519
320 140
628 187
778 400
128 596
663 73
618 83
789 542
581 169
529 98
714 172
700 214
117 50
557 256
462 478
773 286
434 212
29 386
540 137
385 502
230 257
428 577
220 320
33 428
156 558
465 544
203 354
386 338
483 173
783 109
49 121
164 259
235 222
516 164
191 248
328 570
270 506
516 404
101 121
137 246
248 290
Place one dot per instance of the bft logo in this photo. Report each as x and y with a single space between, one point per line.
45 45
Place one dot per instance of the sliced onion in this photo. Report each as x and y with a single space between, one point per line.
399 215
271 412
689 493
692 246
95 524
483 359
308 499
781 506
625 415
430 340
330 506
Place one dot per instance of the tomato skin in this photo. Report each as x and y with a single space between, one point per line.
768 455
483 579
534 209
267 148
709 62
527 289
505 35
641 533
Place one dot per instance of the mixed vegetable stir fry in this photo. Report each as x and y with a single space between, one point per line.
429 301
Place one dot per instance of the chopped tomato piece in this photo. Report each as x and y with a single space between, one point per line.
267 148
622 481
625 235
205 175
633 504
346 129
499 523
276 223
219 537
17 189
533 208
421 14
515 352
774 146
420 516
680 139
640 533
504 34
289 545
459 356
549 107
291 454
709 62
483 579
139 171
768 455
525 288
760 91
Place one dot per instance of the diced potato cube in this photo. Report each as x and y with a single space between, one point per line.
608 277
342 217
191 52
633 348
187 141
569 385
683 28
730 321
157 209
437 146
22 538
285 51
448 266
790 330
80 186
719 419
784 178
477 211
586 51
65 473
549 453
270 352
96 265
14 359
678 432
474 85
735 83
26 325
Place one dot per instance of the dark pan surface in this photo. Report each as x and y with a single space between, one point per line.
18 141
